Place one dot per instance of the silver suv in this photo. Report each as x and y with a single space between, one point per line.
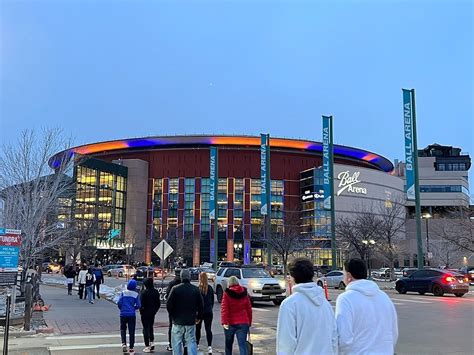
260 285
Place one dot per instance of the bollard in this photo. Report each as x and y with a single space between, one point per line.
7 324
28 305
326 293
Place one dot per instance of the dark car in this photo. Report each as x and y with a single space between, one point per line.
434 281
194 271
469 272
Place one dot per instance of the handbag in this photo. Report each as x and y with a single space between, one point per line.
249 345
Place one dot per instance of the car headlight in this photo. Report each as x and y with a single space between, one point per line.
254 284
282 284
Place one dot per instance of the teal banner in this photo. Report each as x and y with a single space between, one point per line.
264 172
409 144
212 183
327 161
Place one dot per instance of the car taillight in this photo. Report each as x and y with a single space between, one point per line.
466 279
450 279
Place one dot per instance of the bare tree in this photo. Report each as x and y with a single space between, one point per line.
445 253
459 232
391 229
81 234
30 190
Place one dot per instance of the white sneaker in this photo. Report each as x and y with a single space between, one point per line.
147 350
152 346
209 349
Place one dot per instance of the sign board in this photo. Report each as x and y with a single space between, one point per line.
10 244
409 144
163 250
327 161
264 172
350 183
212 183
162 287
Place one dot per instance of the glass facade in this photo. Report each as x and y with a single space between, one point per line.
100 200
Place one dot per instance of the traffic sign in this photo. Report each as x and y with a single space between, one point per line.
10 243
163 250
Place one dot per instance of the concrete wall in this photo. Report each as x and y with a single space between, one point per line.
136 207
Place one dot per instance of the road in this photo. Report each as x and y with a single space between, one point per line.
427 325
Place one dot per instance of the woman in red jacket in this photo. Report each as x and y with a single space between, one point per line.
236 316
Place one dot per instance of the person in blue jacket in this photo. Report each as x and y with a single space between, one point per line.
128 304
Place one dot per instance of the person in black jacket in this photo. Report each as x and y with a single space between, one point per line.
176 281
150 300
70 274
207 294
90 280
99 279
185 305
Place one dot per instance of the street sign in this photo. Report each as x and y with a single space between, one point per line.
10 243
163 250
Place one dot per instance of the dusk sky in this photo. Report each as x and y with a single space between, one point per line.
108 69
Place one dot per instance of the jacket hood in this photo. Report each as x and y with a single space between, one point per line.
132 285
236 291
312 291
148 283
366 287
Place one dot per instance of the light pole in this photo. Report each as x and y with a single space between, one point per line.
237 248
426 217
368 243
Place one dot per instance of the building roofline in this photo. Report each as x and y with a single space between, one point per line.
144 143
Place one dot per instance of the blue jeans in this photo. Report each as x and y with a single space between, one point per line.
89 292
239 330
189 334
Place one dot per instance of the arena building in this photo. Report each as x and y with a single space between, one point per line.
142 190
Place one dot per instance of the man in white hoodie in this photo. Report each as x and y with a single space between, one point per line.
306 324
366 317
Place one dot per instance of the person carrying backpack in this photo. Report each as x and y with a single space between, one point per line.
90 280
99 279
150 301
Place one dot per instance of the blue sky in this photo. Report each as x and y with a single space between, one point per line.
114 69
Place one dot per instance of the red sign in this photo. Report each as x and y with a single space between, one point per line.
10 240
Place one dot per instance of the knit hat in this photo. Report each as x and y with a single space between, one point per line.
132 285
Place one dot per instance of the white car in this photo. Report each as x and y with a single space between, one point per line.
260 285
333 278
122 270
381 273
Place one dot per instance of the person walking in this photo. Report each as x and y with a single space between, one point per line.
366 317
207 294
306 323
185 305
70 275
236 316
174 282
99 279
89 285
128 303
150 304
81 279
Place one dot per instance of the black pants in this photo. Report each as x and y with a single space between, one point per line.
130 322
97 289
148 334
207 320
81 291
69 289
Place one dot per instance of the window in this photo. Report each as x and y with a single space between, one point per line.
443 188
232 272
432 273
220 271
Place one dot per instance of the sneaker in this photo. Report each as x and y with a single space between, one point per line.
209 349
169 348
152 346
124 348
147 350
91 302
131 351
198 348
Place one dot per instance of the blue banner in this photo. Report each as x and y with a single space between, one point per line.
327 161
409 144
212 183
264 172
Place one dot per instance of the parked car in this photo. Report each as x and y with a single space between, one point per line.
144 272
225 264
211 274
398 272
469 272
194 271
408 271
50 267
277 269
333 278
381 273
434 281
260 285
106 268
122 270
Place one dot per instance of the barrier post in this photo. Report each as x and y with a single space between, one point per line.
326 293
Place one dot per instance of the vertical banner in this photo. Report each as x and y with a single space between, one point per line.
212 184
264 173
409 144
327 161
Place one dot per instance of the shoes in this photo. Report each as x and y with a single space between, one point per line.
131 351
124 348
91 302
152 346
147 350
209 349
198 348
169 348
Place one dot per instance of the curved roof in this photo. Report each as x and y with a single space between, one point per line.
376 160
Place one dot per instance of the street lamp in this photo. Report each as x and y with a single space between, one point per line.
368 243
237 248
426 217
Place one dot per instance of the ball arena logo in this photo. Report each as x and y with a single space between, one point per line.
348 182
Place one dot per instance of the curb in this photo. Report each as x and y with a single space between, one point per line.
20 334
